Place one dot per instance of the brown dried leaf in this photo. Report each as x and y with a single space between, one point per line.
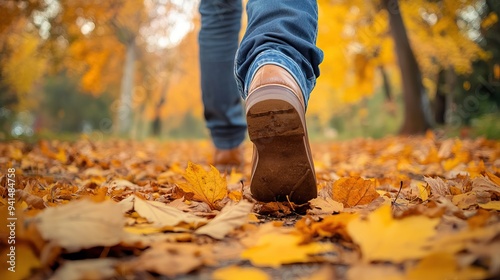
82 224
464 201
438 186
86 269
324 206
32 200
354 191
486 185
273 208
163 215
172 259
334 225
231 217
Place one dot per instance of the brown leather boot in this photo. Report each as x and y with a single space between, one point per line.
227 160
282 164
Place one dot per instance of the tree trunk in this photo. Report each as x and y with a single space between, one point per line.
156 125
450 79
386 83
124 112
417 118
440 100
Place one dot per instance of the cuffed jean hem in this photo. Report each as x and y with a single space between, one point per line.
230 142
279 59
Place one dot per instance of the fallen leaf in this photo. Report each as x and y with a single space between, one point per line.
354 191
455 242
163 215
86 269
30 199
275 249
120 184
252 218
275 208
488 253
382 238
61 156
207 186
479 219
438 186
127 204
492 205
443 266
235 178
24 261
334 225
240 273
231 217
235 195
495 179
374 272
324 273
254 233
145 229
324 206
423 192
143 241
82 224
484 184
179 204
464 201
171 259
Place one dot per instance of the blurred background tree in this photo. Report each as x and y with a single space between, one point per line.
130 68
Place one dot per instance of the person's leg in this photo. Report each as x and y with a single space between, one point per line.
281 32
276 69
218 42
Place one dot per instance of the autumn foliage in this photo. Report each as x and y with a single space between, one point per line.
401 208
144 54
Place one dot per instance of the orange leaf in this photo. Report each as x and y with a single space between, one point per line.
334 224
354 191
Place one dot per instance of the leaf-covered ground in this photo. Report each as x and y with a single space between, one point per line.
395 208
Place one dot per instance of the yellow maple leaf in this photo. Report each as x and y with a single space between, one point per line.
383 238
443 266
242 273
275 249
207 186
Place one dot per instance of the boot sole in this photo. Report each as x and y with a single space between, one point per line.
283 168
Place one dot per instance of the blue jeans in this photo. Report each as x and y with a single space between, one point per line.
280 32
218 41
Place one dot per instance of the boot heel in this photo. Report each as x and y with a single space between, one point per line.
283 168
